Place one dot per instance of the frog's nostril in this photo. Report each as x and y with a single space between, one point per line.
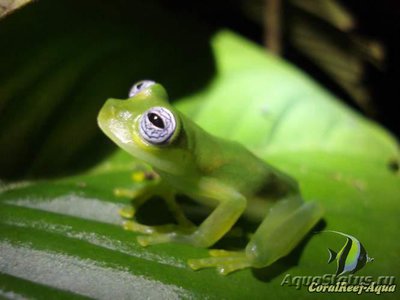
125 115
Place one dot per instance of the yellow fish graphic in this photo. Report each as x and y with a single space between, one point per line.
351 258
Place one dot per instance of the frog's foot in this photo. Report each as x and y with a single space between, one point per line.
224 261
127 212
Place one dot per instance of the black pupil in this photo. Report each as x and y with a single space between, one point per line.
156 120
139 85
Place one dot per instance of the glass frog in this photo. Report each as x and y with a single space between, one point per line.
212 171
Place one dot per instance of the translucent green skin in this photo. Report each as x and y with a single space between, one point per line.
215 172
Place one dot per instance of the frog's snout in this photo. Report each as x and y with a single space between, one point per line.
109 111
111 106
106 114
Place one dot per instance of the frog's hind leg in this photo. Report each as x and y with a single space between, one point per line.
286 224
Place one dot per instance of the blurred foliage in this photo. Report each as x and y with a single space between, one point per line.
360 36
8 6
61 238
324 32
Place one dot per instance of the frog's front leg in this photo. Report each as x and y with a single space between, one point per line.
152 186
184 224
231 205
150 182
286 224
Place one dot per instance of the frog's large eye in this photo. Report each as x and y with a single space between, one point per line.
140 86
157 125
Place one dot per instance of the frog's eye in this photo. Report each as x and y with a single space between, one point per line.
157 125
140 86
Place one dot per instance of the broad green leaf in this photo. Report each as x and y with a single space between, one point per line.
62 238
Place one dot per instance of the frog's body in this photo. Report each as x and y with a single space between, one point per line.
229 163
210 170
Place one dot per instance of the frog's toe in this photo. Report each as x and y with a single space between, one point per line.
155 238
221 252
137 227
158 230
225 269
224 261
127 212
168 233
126 193
144 175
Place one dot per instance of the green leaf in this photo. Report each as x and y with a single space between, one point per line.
62 238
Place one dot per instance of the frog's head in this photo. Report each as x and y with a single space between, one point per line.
147 126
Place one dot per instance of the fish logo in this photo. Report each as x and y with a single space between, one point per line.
351 258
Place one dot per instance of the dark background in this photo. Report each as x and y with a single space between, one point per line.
60 59
378 20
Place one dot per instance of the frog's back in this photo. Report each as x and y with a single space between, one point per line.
233 164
